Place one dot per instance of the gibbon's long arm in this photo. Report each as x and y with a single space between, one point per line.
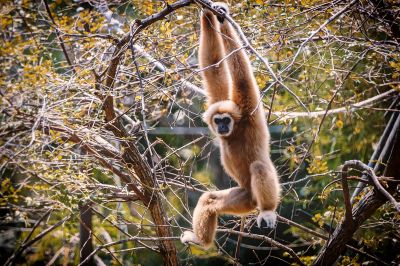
266 190
245 91
216 78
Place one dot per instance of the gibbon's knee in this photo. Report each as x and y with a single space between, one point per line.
265 186
207 199
258 168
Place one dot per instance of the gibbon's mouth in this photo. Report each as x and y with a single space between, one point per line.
223 132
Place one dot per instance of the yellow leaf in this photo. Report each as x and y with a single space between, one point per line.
339 124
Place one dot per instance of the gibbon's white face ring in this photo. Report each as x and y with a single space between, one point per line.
223 124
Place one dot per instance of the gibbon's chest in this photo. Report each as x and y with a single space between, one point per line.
236 159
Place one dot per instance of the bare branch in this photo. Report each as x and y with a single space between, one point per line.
351 108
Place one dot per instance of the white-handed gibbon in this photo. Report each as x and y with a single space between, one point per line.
237 118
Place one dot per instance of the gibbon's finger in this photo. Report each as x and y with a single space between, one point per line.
269 217
259 221
222 8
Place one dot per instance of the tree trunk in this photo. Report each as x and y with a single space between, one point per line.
85 235
163 229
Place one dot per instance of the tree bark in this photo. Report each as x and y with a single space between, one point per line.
85 234
163 229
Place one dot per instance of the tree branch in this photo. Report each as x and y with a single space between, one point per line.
348 109
371 174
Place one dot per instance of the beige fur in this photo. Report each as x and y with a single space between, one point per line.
231 89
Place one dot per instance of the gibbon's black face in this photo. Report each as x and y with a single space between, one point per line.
223 124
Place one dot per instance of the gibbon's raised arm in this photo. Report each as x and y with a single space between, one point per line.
243 134
216 78
245 91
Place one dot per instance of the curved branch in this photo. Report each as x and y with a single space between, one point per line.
371 174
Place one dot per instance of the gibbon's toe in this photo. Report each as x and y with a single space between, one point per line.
189 237
269 217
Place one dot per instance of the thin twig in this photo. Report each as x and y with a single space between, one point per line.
237 251
348 109
323 25
135 238
266 239
60 39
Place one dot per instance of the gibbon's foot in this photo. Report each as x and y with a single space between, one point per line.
189 237
221 8
269 218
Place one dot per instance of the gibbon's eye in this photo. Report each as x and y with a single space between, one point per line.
226 120
217 121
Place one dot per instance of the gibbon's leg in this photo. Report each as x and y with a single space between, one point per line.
216 78
245 91
266 191
210 205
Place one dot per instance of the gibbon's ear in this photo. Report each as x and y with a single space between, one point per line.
222 107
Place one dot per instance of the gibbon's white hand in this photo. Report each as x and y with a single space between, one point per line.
221 7
269 218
